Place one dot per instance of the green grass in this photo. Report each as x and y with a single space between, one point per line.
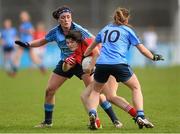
21 103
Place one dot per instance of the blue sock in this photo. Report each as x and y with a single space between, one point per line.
140 113
105 105
48 108
92 111
108 109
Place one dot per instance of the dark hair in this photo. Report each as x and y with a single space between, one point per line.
74 35
56 13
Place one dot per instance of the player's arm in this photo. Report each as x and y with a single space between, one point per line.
90 48
69 63
34 43
148 54
95 54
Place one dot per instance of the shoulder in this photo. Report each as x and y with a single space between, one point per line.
106 27
85 32
54 29
89 40
128 29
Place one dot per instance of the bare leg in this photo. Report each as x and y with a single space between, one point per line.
17 57
34 57
93 100
110 91
37 60
54 83
137 96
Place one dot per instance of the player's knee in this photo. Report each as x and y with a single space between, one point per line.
50 91
110 97
136 88
102 98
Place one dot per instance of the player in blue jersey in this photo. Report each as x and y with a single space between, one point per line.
64 17
8 36
79 46
26 31
116 39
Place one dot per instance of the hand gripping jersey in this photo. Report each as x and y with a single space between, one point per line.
79 52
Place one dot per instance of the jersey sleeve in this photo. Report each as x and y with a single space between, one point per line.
89 41
98 38
85 33
51 35
134 39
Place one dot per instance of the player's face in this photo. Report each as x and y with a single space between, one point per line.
65 20
24 16
7 24
73 45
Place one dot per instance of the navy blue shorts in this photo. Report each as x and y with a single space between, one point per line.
122 72
76 70
8 49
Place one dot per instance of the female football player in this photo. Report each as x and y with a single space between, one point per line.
78 45
8 36
26 30
63 15
116 39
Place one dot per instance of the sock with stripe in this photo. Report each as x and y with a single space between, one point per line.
48 113
108 109
140 113
131 110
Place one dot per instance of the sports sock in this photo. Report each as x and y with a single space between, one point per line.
48 113
92 111
108 109
140 113
132 111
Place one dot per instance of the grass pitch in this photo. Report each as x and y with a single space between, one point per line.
21 103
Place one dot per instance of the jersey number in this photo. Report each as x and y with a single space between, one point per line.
108 35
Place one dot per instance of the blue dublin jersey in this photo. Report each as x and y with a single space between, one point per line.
116 41
56 34
25 36
8 36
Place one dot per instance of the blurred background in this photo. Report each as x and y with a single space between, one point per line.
155 22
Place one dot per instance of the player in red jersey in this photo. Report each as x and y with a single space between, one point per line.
39 33
78 45
73 38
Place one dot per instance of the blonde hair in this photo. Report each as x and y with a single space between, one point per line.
121 16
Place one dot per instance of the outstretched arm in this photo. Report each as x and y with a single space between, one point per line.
148 54
34 43
38 42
